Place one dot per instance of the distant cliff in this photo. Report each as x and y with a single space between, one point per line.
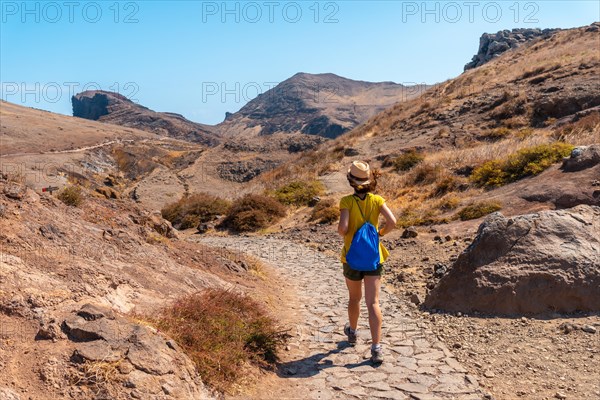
116 109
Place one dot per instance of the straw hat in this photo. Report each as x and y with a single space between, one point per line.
359 173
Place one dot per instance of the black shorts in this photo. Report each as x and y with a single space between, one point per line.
355 275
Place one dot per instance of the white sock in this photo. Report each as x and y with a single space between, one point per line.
376 346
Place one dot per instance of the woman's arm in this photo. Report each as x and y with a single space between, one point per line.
343 225
390 220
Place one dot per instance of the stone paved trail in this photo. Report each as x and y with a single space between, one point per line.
321 364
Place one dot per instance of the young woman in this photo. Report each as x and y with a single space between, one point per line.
352 208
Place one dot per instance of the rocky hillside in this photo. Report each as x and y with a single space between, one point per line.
71 276
116 109
295 116
491 45
531 94
315 104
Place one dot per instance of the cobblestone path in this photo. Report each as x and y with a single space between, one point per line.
320 364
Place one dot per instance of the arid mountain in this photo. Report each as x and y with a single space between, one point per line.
295 116
316 104
75 279
531 91
116 109
324 105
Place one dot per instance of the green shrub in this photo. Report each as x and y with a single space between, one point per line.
253 212
407 160
71 196
194 209
525 162
221 331
325 212
299 193
478 210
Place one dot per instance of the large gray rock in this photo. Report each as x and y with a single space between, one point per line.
491 45
151 366
530 264
582 157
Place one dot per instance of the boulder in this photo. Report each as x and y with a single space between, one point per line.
108 192
146 360
529 264
14 190
581 158
410 232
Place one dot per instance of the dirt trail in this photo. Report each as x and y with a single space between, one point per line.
319 363
77 150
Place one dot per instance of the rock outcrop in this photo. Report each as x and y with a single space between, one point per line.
530 264
582 157
491 45
99 105
245 170
148 365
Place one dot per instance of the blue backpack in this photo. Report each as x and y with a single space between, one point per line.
363 254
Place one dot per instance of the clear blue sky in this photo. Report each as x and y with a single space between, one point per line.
182 56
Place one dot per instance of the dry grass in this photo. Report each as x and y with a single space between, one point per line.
454 159
325 212
155 238
496 134
585 131
222 332
525 162
255 266
101 377
407 161
478 210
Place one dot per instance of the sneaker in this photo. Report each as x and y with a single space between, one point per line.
377 355
350 333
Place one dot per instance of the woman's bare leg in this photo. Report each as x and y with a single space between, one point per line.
355 294
372 284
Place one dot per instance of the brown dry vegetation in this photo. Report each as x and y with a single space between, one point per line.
484 114
222 331
191 210
253 212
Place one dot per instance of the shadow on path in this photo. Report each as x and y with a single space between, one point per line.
310 366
